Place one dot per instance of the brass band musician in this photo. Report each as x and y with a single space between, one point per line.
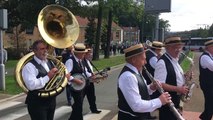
206 83
90 88
36 74
74 65
134 102
170 74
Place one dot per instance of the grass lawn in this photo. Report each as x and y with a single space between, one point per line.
13 88
186 63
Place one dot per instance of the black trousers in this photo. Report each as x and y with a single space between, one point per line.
68 93
77 107
41 111
90 94
208 104
124 116
165 113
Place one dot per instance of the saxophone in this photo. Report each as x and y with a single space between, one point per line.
188 81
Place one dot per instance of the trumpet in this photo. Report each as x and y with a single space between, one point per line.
160 89
188 81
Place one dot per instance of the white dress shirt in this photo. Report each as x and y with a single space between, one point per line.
206 61
30 72
90 66
161 72
128 84
153 60
69 66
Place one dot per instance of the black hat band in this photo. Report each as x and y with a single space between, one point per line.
134 52
76 49
156 46
174 41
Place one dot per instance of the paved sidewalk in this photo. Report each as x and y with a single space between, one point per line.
6 97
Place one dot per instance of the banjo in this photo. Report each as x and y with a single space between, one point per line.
76 87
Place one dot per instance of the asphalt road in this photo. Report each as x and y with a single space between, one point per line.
106 95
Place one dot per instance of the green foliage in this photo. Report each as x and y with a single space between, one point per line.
104 33
199 33
186 63
210 32
90 32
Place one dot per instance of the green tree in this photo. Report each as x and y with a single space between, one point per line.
210 31
90 32
104 38
98 32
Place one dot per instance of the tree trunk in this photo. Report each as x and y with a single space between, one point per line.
98 33
109 27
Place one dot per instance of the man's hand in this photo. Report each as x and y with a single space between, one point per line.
77 81
68 76
52 72
154 85
183 90
165 98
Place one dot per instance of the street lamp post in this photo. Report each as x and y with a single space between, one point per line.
3 26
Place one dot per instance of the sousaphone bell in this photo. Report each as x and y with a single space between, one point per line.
60 29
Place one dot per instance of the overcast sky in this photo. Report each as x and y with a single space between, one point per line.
189 14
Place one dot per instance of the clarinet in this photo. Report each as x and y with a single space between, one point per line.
160 89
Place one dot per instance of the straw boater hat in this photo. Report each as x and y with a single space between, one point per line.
208 43
173 41
79 48
88 49
133 50
157 45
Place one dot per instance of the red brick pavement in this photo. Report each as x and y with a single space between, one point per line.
188 115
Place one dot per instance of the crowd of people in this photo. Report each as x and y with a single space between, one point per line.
138 96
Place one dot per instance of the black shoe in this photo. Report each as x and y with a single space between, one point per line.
96 111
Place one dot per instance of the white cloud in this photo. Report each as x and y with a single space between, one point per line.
189 14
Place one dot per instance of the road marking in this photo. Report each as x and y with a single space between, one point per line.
62 111
15 115
92 116
8 104
115 117
59 113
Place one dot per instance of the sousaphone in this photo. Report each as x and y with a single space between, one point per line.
60 29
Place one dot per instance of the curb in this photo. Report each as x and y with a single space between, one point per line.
12 97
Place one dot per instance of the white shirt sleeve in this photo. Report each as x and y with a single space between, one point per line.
206 62
87 72
29 74
69 66
159 69
153 61
129 86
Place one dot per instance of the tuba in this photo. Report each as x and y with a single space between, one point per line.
60 29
